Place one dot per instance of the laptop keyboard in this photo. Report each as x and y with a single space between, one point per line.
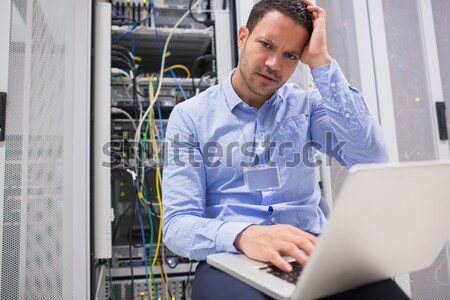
288 276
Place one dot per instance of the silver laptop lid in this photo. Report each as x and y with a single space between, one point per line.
388 220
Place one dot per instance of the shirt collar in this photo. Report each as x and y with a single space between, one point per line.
233 99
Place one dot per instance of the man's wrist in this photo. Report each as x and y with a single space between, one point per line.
238 241
320 61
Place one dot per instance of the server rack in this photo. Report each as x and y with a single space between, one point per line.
139 266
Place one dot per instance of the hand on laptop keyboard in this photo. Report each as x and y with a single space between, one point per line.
268 243
288 276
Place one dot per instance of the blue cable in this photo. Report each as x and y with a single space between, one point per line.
160 119
130 30
161 125
132 44
143 247
118 37
179 84
161 49
158 40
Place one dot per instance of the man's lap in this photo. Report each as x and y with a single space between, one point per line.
213 284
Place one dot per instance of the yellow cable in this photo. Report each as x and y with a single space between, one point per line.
162 277
155 154
158 193
150 88
150 284
150 136
188 72
137 58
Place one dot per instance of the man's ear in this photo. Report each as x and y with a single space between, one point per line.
242 36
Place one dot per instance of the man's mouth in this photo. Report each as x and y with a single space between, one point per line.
267 78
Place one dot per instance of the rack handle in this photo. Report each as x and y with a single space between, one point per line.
442 121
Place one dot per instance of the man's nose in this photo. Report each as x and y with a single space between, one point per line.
274 62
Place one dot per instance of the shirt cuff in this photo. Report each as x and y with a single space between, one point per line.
226 235
329 79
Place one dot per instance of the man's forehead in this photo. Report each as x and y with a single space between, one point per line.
273 19
290 39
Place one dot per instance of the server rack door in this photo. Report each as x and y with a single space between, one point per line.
45 163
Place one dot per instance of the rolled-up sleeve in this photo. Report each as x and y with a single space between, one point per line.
341 120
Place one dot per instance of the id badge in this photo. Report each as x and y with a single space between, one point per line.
262 178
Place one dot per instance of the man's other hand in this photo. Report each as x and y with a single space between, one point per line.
315 53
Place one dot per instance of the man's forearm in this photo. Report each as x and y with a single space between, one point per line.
196 237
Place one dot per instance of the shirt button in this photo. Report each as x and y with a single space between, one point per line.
333 85
347 115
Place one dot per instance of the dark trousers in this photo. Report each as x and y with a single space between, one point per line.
213 284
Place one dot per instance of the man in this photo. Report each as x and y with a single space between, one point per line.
254 125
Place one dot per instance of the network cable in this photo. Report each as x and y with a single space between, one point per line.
141 225
207 22
137 137
138 178
163 53
160 120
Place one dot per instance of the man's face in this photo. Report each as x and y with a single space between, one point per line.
269 55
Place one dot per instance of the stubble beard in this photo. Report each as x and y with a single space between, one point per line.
251 81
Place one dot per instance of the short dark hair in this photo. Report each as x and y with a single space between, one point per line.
295 9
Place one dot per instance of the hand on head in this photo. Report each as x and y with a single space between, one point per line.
315 53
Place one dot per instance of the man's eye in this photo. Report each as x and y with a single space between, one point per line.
265 44
291 56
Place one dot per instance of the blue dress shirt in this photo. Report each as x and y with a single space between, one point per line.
213 136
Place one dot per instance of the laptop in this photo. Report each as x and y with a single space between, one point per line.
387 220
